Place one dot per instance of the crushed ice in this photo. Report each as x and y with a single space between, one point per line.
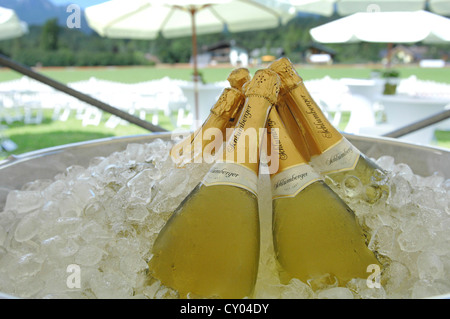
104 219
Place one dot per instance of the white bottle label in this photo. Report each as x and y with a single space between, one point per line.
232 174
340 157
289 182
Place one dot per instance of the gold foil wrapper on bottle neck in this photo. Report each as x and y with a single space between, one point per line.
266 84
238 77
287 73
228 103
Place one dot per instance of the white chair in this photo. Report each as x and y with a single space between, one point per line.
33 113
361 114
183 119
328 94
10 108
91 116
144 105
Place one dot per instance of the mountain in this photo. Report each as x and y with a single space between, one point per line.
37 12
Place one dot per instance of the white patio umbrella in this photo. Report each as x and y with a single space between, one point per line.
347 7
388 27
145 19
385 27
10 25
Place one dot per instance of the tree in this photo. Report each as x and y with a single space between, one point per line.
50 35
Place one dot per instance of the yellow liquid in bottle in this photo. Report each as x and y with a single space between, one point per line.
316 234
214 236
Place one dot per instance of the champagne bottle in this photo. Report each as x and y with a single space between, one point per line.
316 236
222 115
210 245
331 153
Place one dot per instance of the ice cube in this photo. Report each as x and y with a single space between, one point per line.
89 255
82 191
396 278
132 264
386 162
383 241
92 231
415 238
428 289
110 285
27 228
430 266
436 180
157 151
364 291
141 185
23 202
28 287
150 290
352 186
23 266
405 171
136 213
166 293
36 185
55 190
335 293
3 235
401 192
296 289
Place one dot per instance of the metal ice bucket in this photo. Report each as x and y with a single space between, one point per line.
18 170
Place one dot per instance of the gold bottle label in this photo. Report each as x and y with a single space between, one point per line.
232 174
294 173
241 154
318 130
342 156
291 181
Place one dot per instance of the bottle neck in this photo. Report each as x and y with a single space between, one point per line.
319 133
280 141
221 114
293 129
240 165
243 146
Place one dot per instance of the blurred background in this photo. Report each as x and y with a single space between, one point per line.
367 86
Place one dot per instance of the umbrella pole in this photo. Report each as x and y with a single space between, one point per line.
389 54
194 53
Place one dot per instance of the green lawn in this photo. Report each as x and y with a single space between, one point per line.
52 133
140 74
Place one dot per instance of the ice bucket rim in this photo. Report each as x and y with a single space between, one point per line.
167 135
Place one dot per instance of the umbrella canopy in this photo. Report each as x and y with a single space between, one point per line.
145 19
347 7
10 25
385 27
